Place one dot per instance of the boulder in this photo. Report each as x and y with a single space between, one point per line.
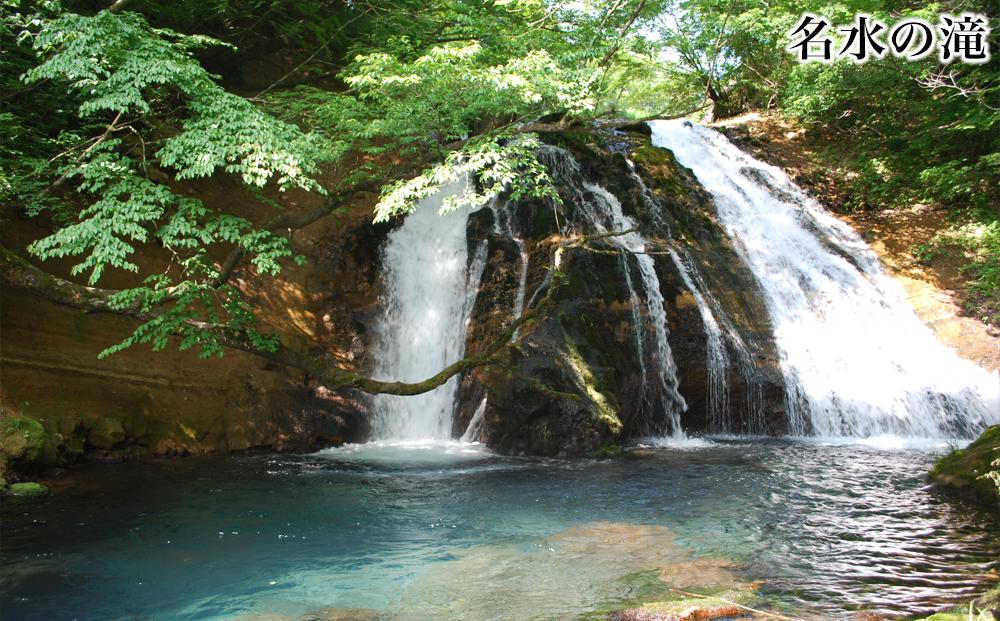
21 439
106 433
963 472
579 377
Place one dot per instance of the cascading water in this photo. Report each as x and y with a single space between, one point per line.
475 429
717 359
503 225
856 359
602 213
430 288
718 330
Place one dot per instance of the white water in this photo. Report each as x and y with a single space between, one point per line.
857 361
430 288
437 452
475 429
638 328
503 225
602 213
718 329
717 360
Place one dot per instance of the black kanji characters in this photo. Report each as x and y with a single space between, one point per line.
813 44
861 39
964 38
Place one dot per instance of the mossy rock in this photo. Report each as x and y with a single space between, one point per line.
663 166
962 471
27 490
725 604
576 140
609 451
106 433
989 601
21 439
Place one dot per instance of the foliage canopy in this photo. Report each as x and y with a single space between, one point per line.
108 113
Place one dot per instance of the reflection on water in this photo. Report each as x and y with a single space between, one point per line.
439 532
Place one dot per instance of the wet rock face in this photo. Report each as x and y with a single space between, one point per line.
67 406
578 379
573 383
565 387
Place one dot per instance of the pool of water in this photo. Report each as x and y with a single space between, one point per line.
422 532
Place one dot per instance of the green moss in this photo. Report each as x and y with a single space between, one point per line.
28 489
990 599
648 155
606 411
609 451
646 585
963 470
662 165
948 616
21 439
978 608
571 140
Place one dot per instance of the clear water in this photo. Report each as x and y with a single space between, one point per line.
428 530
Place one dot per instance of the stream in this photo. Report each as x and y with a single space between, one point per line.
427 530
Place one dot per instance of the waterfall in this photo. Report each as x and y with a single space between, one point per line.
719 330
857 361
602 213
717 360
503 225
430 288
475 429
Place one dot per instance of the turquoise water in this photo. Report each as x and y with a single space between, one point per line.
430 533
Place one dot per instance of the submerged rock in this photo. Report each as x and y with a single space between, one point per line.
729 604
343 614
984 607
579 570
963 472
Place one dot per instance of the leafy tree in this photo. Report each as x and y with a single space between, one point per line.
108 109
114 106
904 132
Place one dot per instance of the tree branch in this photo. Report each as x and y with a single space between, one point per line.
18 273
285 221
118 5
